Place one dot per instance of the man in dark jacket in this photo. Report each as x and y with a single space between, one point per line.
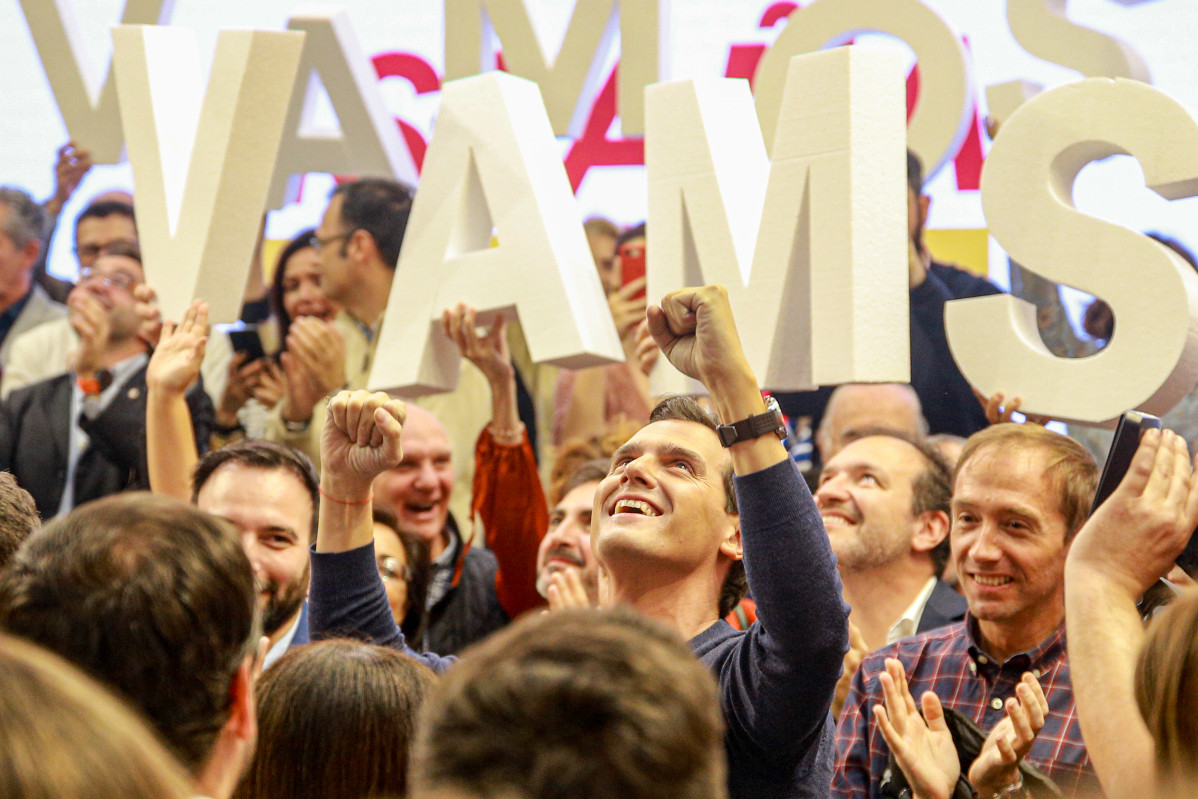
81 436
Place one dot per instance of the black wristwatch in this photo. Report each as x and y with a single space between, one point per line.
755 426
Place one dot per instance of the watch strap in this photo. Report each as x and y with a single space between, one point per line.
754 426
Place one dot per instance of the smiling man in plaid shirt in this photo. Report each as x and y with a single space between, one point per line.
1021 493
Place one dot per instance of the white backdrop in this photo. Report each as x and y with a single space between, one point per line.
702 35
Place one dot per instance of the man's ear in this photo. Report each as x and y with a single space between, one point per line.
731 546
925 203
360 246
30 252
243 717
931 528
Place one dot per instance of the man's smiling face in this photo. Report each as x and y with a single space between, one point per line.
664 504
417 491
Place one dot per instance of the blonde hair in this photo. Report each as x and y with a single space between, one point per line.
65 737
1167 690
1071 470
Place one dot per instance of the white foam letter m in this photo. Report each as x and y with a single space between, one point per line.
812 247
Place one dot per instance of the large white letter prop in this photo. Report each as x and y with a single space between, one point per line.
368 142
493 162
821 297
87 104
1152 360
570 80
944 111
202 172
1042 27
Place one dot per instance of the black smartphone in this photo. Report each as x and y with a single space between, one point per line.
1132 425
247 340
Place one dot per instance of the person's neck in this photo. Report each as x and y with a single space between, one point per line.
687 604
1008 637
438 545
221 773
118 351
879 596
277 635
371 294
13 291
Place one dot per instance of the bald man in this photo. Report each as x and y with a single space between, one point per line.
473 591
857 409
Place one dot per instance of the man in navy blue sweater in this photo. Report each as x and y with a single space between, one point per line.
677 523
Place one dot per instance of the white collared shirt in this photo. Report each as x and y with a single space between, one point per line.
908 623
283 644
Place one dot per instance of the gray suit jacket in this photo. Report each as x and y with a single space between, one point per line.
39 310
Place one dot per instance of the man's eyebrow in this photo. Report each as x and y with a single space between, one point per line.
672 450
625 450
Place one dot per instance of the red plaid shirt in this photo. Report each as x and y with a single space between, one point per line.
949 662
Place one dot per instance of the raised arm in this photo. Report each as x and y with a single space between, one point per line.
171 453
792 657
507 499
360 440
1130 541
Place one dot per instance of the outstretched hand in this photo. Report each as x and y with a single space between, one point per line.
489 351
1135 535
360 440
997 765
999 411
176 361
695 330
922 745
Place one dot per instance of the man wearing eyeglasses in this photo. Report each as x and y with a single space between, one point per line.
358 242
81 435
107 226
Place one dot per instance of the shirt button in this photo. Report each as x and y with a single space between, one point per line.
996 703
973 667
982 659
1036 673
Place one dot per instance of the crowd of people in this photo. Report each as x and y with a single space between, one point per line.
231 571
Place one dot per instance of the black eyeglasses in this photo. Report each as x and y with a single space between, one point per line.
318 244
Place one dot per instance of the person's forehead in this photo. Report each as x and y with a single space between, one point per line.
302 261
272 495
673 433
385 538
105 228
874 406
1009 476
579 498
887 453
332 214
423 431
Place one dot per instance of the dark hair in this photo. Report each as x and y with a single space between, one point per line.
257 454
335 718
151 596
582 702
381 208
104 209
931 489
914 173
636 232
416 552
591 471
18 516
302 241
26 220
685 409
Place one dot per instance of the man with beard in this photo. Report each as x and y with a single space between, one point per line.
81 435
269 493
884 500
